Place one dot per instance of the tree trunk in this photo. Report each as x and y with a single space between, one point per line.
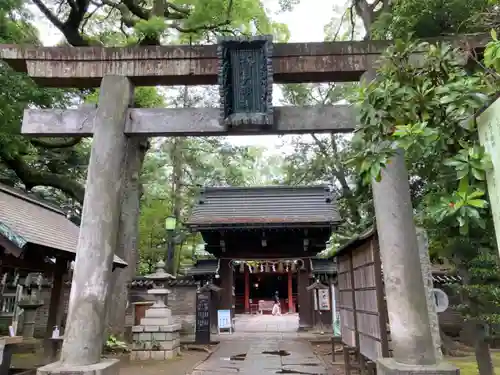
127 236
176 157
177 182
482 352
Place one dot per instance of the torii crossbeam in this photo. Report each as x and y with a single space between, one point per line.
84 67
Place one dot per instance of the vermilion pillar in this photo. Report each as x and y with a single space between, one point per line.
247 290
290 293
226 283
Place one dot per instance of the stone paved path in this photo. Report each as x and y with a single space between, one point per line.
288 323
265 356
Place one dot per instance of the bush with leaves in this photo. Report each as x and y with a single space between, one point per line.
423 101
114 345
482 289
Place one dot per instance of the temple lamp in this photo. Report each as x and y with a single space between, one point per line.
170 225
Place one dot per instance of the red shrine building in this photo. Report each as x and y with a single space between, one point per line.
265 241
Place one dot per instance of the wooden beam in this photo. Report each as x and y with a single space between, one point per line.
187 121
84 67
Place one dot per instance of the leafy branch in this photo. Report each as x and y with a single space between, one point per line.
423 101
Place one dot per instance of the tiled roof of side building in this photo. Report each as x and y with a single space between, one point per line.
39 222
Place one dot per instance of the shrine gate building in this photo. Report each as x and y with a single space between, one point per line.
266 240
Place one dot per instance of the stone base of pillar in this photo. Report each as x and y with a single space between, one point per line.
388 366
105 367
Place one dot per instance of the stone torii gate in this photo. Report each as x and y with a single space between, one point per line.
118 131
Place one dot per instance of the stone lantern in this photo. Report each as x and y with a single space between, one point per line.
159 290
31 302
157 337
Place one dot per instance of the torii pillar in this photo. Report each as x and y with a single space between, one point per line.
85 326
412 342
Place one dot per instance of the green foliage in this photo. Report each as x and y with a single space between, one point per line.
144 97
431 18
464 205
187 21
468 364
24 161
424 104
150 28
321 158
492 52
483 288
113 345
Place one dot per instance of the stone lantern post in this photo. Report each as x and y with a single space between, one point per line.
157 337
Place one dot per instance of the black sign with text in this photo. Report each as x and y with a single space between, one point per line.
203 318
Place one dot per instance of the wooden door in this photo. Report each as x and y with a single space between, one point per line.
140 311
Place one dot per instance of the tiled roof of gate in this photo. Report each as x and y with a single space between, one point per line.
264 205
203 267
39 222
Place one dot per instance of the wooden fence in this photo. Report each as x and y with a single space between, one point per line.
362 307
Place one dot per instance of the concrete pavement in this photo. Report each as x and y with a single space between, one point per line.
262 345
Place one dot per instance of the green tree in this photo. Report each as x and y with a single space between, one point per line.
31 163
433 18
321 158
393 19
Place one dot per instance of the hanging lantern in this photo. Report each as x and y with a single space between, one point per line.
268 268
294 267
256 268
261 268
242 267
280 267
274 267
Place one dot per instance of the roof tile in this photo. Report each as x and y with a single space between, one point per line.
271 204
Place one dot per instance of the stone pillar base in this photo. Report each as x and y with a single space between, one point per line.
154 355
388 366
105 367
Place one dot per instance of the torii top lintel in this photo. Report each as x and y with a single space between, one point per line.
84 67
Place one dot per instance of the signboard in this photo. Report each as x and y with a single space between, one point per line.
224 320
324 299
488 127
245 81
202 335
441 300
335 315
